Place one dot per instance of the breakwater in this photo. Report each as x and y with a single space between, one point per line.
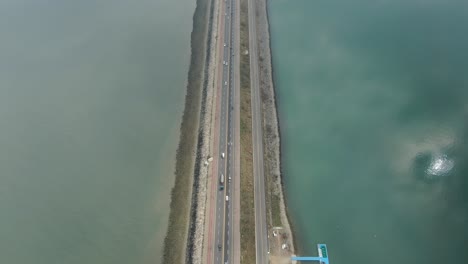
179 244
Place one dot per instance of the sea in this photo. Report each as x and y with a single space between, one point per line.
91 100
373 106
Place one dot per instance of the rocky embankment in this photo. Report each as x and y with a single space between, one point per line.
271 129
186 220
200 191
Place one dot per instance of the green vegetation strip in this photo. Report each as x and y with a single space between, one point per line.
175 242
247 217
272 198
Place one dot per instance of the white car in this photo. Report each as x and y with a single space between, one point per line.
222 155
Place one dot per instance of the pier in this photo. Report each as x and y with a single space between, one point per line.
322 258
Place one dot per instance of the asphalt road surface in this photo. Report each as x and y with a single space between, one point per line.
261 233
224 197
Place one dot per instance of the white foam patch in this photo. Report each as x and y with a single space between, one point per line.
440 165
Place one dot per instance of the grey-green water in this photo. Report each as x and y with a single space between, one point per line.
373 100
91 98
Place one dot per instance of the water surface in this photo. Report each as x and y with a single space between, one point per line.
373 100
91 96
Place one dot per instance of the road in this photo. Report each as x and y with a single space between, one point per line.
228 142
261 232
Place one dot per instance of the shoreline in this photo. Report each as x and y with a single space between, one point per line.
187 195
272 133
281 141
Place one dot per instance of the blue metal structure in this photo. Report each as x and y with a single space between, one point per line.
322 258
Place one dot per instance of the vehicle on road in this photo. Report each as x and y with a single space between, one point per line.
229 178
221 182
225 83
227 198
219 247
222 155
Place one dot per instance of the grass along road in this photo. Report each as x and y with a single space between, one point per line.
247 214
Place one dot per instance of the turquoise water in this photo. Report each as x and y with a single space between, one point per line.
91 99
373 100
